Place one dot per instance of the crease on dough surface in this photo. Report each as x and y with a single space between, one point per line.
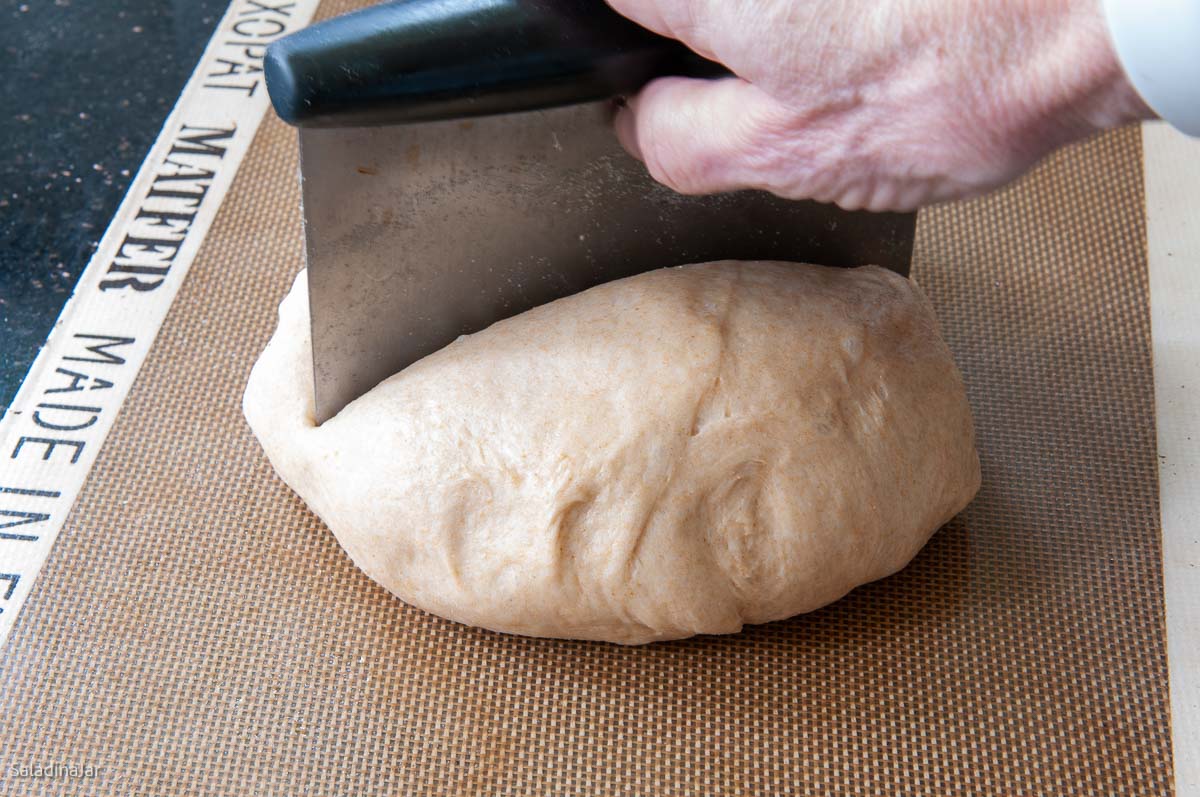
640 461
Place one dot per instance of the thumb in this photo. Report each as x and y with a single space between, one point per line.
703 136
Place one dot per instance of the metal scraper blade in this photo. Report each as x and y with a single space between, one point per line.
419 233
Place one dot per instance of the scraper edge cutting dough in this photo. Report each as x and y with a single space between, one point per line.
680 452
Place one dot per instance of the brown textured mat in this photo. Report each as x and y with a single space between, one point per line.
197 632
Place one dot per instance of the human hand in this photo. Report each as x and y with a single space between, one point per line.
876 104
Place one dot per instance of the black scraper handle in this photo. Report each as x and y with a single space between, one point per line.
421 60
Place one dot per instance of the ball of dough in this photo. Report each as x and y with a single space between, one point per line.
676 453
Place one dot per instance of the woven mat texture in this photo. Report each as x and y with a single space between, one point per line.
197 631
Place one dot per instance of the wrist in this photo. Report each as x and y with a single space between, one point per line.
1080 87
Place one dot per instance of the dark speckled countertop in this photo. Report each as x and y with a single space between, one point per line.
86 87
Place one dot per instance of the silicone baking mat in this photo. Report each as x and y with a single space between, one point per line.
196 631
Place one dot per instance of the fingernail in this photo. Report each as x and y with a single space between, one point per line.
625 125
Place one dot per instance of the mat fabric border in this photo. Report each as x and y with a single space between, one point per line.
69 400
1173 238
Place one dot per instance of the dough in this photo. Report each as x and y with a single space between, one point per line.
672 454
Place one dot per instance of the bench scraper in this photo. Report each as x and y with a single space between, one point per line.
458 166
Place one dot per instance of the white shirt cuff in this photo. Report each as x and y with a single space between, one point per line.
1158 44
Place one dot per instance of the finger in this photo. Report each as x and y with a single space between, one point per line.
660 16
689 21
703 136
